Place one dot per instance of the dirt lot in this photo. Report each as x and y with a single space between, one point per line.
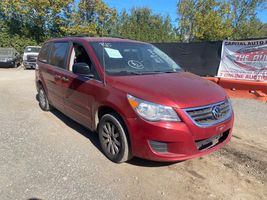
48 156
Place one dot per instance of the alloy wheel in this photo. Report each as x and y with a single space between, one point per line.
111 138
42 98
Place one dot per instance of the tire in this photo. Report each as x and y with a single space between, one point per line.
43 101
113 138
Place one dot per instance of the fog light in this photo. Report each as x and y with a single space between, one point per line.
161 147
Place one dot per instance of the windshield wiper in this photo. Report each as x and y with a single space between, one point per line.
159 72
152 72
125 73
140 72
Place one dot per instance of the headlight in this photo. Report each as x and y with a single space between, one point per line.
9 59
151 111
229 102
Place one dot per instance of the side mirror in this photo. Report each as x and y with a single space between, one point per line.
82 69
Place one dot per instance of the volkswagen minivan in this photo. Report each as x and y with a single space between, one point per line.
137 99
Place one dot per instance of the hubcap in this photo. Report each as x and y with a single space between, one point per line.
42 98
111 138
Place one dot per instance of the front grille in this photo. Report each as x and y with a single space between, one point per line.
31 58
210 115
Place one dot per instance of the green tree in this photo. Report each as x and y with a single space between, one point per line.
36 19
264 30
14 40
204 20
91 17
142 24
219 19
244 18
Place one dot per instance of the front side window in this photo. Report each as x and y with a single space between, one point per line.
129 58
59 54
80 55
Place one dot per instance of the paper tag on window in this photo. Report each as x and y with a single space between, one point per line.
113 53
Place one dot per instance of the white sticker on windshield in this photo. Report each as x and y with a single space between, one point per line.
113 53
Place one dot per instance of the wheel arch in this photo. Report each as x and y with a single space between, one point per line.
39 84
105 109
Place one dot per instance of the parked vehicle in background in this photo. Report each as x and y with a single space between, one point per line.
30 56
138 100
9 57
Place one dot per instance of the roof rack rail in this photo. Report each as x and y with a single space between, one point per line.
92 35
112 36
80 35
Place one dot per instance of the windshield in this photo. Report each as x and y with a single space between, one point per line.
128 58
6 51
32 50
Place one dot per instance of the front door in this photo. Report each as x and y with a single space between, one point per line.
79 91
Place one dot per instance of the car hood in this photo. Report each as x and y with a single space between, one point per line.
31 53
183 90
6 56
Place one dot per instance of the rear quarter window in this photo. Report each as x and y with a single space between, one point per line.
44 53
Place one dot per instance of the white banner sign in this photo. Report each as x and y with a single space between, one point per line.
244 60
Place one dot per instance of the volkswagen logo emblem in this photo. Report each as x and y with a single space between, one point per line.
216 112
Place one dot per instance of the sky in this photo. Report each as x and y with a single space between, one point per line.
163 7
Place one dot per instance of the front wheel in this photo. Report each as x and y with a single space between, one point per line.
113 139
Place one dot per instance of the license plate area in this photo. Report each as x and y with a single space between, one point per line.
212 141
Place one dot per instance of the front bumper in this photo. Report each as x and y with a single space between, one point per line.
30 65
174 141
7 64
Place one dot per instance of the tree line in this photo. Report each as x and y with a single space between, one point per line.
31 22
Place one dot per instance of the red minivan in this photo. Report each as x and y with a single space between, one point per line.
137 99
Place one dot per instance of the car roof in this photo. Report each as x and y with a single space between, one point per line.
93 39
32 47
7 48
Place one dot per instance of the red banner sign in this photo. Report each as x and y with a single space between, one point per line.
244 60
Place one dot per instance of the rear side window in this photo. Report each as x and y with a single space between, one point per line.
59 54
44 53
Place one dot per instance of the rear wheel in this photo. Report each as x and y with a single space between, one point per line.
113 139
43 101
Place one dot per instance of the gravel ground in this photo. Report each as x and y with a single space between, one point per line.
48 156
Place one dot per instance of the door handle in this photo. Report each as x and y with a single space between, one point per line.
65 79
57 77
